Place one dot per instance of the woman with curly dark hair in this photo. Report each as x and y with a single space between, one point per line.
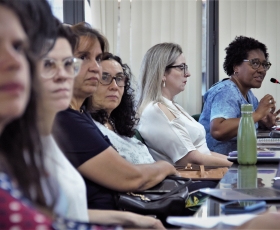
246 63
112 108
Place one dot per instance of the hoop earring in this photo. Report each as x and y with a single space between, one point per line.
235 73
163 84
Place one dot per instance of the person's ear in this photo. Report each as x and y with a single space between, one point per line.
235 70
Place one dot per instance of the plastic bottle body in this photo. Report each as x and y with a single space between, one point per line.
246 137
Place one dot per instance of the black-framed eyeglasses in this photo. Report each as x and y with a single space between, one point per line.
182 67
256 63
50 67
120 78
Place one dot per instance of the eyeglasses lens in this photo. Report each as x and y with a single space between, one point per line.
71 66
49 68
107 79
186 69
266 65
256 64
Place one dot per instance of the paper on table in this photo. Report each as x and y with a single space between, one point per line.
209 222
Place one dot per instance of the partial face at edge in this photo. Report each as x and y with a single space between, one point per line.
108 97
14 67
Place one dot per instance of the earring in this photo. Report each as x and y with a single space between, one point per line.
235 73
163 84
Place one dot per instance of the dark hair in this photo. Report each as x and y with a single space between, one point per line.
38 22
20 140
64 31
124 116
85 29
238 50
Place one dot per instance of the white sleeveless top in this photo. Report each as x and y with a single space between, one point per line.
131 149
171 140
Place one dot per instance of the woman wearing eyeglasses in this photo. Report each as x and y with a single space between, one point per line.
105 172
57 71
113 110
170 133
246 63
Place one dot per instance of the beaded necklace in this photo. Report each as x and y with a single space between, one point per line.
111 122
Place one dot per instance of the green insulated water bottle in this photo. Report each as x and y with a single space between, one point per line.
246 137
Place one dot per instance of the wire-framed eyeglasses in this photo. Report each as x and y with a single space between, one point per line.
107 79
182 67
256 63
50 67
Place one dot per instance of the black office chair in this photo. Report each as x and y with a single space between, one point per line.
138 136
196 116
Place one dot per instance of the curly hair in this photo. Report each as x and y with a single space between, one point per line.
238 50
124 116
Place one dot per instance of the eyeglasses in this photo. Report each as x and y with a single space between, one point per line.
107 79
256 63
51 66
182 67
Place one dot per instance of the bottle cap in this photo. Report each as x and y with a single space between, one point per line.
246 108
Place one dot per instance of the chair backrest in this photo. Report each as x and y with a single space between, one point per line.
196 117
138 136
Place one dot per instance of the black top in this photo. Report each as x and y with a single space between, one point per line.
80 140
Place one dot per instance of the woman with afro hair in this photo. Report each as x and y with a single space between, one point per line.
246 64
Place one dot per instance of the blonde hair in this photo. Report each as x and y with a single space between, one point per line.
152 70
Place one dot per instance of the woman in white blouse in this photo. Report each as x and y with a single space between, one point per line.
170 133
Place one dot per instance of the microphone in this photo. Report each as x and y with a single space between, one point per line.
273 80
